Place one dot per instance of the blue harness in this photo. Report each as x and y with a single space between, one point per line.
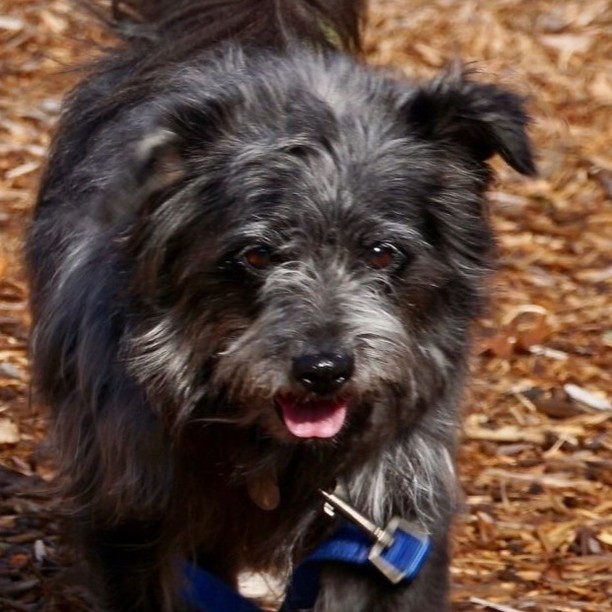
398 553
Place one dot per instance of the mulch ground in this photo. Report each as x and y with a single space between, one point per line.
536 459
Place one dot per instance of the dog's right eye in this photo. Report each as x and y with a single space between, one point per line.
257 257
384 256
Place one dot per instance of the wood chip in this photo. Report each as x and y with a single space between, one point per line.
9 432
587 398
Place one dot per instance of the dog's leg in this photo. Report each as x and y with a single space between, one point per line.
343 588
130 563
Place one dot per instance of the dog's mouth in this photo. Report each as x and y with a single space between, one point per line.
312 418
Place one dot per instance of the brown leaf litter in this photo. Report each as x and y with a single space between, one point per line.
536 459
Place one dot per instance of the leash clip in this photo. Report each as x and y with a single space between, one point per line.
399 549
336 504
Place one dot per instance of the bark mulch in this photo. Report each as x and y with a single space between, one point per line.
536 458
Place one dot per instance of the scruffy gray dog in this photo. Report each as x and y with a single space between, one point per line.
255 263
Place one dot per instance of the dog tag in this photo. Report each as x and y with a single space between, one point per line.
263 490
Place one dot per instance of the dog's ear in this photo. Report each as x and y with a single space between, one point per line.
188 126
483 119
158 161
147 166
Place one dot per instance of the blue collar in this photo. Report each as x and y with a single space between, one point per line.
398 553
399 562
204 592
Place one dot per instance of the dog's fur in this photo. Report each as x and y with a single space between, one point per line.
217 127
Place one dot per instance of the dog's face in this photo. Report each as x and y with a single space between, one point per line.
314 256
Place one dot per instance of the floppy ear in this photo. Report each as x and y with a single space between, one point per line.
156 163
483 119
161 157
146 166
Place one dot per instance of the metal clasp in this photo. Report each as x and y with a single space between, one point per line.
390 571
384 539
336 504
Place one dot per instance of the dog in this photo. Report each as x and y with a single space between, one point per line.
255 265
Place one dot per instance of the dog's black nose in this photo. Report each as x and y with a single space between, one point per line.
324 372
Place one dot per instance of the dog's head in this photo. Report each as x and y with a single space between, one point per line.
311 243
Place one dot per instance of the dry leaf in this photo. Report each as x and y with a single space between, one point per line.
586 397
9 432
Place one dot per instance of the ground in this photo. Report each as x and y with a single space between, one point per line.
536 457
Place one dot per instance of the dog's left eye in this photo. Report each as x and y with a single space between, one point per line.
257 257
383 256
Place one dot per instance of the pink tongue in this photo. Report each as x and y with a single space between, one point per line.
314 419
